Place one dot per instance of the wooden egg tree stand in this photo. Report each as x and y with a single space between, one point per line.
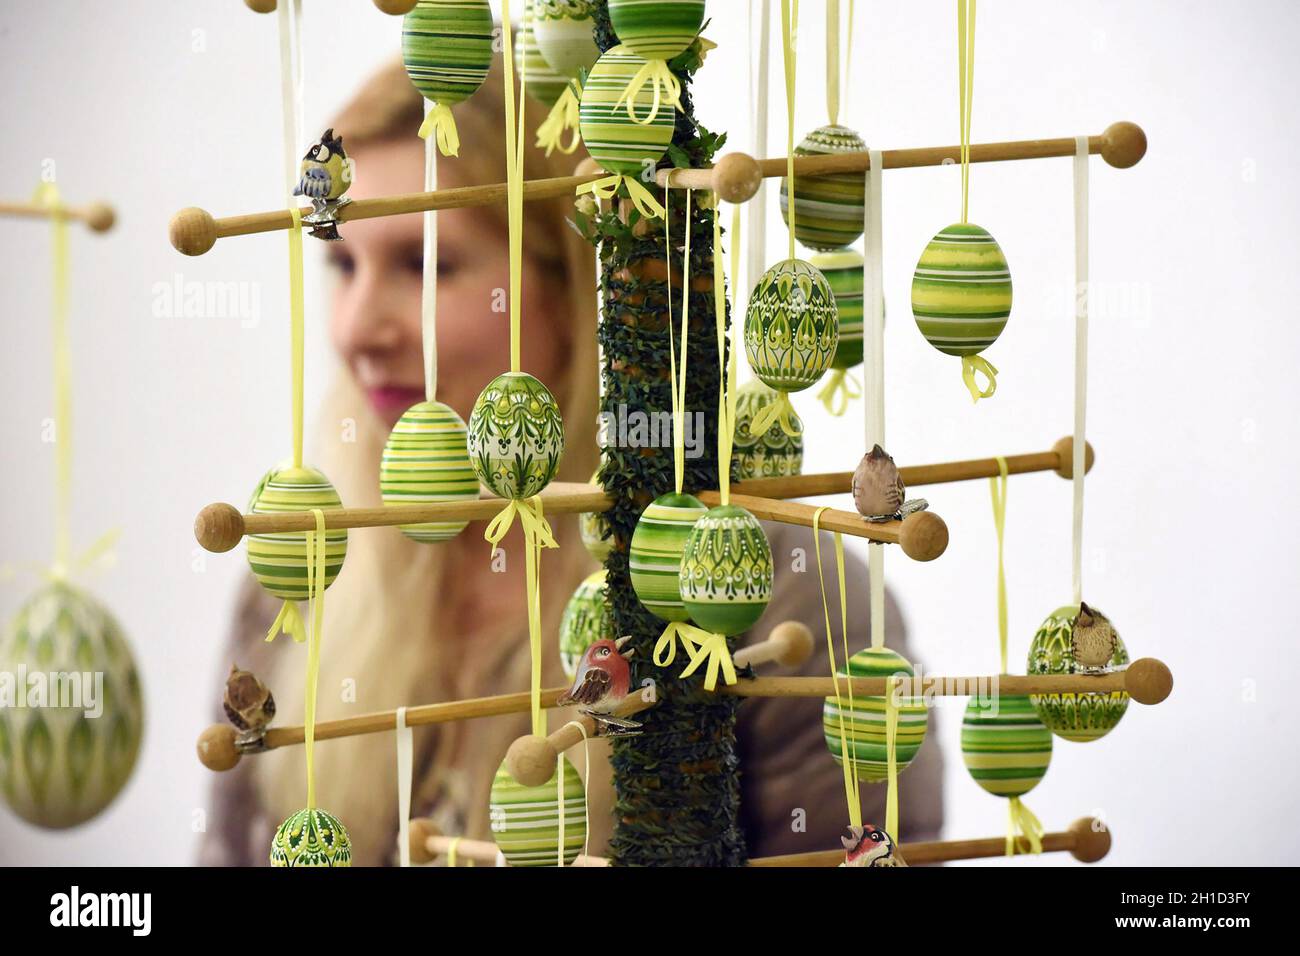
660 776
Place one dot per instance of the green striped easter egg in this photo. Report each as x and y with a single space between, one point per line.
843 270
828 209
516 436
726 576
542 81
425 460
312 837
961 290
655 553
62 765
279 561
1078 717
864 718
592 528
526 821
1004 745
791 326
564 34
584 622
611 137
656 29
447 48
773 454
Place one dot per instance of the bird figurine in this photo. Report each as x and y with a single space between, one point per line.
870 846
1092 640
247 702
326 176
878 490
601 684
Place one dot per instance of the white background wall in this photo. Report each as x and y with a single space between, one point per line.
1191 512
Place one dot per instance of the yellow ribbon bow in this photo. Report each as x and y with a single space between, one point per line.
970 364
666 87
440 121
1022 827
779 411
701 646
840 389
642 198
562 118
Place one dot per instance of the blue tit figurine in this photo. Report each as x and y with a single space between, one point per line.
326 175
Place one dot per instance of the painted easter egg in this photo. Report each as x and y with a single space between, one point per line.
843 270
658 30
791 326
773 454
1004 745
584 622
594 529
864 736
1078 717
564 34
70 726
425 460
542 81
828 209
447 48
516 436
961 290
655 553
530 824
279 560
726 576
610 135
312 837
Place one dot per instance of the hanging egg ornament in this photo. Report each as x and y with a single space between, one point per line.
961 290
829 208
62 765
564 32
527 822
620 145
426 460
594 529
279 560
311 837
584 622
655 553
843 270
773 454
516 436
658 30
447 50
864 718
1004 745
726 576
543 81
1079 717
791 326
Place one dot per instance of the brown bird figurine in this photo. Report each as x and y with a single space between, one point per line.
870 846
878 490
601 684
247 702
1092 640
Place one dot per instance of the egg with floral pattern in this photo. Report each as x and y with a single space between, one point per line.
791 326
726 573
516 436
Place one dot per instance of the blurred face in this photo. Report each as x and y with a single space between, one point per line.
375 321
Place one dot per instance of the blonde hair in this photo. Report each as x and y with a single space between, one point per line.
387 640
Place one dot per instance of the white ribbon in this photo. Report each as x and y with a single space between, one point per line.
1080 349
758 82
404 752
429 287
291 86
874 371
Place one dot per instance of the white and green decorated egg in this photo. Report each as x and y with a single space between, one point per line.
961 290
426 460
655 553
828 208
564 31
1004 745
773 454
447 48
542 80
279 560
516 436
311 837
613 138
538 826
726 575
593 528
864 736
659 29
71 712
584 622
1079 717
843 270
791 326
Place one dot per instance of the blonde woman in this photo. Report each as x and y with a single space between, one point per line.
412 623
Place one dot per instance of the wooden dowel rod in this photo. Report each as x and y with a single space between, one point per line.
790 643
98 216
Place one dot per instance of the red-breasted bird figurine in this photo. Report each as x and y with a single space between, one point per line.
601 684
870 846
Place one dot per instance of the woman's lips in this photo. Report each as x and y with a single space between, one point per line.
390 401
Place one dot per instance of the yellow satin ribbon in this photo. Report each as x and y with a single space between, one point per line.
852 786
288 621
789 29
514 179
1023 828
316 601
965 89
642 198
439 120
778 411
562 118
998 492
841 388
970 364
727 371
677 381
701 647
891 748
452 846
666 87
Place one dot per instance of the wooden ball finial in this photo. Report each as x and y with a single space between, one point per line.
1065 452
396 8
924 536
219 527
260 6
736 177
1091 839
420 831
796 642
1124 144
531 760
1148 681
192 231
216 748
99 217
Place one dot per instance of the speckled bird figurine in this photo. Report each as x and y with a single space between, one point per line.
247 702
1092 640
326 176
601 684
878 490
870 846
